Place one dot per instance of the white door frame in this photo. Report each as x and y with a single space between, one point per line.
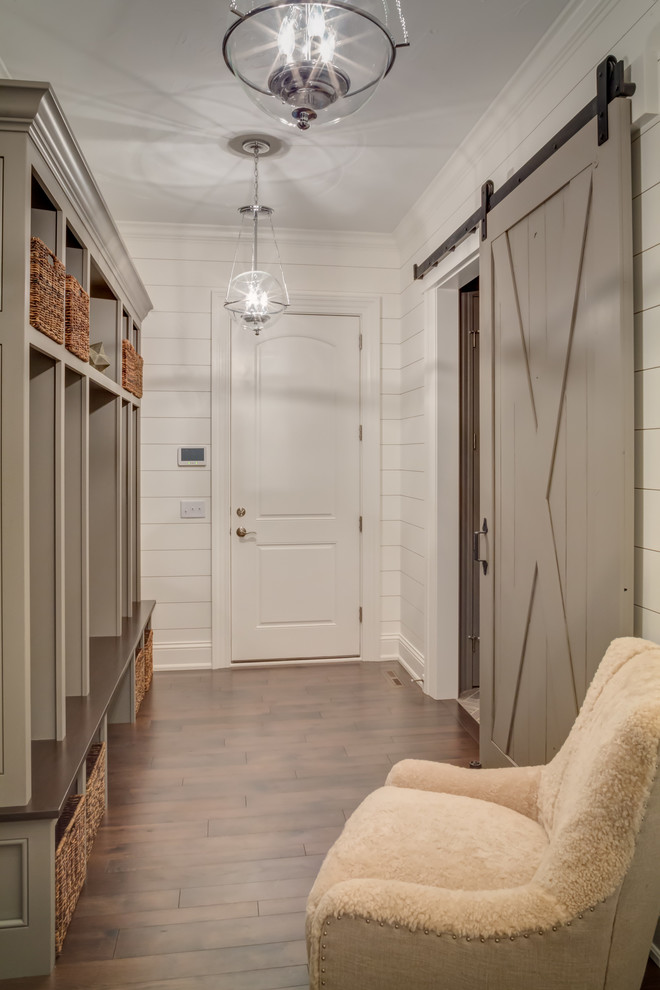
442 405
368 310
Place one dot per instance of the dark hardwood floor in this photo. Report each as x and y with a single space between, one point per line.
224 798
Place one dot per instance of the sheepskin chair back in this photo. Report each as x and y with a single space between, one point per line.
593 795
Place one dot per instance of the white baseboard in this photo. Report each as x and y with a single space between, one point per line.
182 656
197 656
389 648
401 649
411 658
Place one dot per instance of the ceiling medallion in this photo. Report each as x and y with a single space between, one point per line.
305 63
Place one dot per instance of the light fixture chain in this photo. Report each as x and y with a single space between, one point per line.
402 20
256 174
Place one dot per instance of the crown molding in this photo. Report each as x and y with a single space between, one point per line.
33 109
285 235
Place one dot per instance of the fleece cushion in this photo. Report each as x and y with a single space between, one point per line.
440 840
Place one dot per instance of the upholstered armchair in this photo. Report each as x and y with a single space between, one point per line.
536 878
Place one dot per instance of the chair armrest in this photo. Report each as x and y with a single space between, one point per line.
512 787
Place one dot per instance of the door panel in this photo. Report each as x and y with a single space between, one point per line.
309 593
295 467
556 441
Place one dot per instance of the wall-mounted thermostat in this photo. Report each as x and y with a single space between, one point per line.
192 457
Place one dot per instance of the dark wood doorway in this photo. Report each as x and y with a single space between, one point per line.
469 476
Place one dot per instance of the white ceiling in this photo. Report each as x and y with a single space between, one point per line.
146 91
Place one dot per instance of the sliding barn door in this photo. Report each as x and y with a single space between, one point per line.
557 435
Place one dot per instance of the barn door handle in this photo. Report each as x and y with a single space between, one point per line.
475 546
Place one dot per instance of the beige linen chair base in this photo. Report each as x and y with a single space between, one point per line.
398 958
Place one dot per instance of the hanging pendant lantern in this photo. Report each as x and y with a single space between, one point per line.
306 62
255 297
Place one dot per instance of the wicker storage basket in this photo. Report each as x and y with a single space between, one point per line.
95 792
139 679
70 864
148 659
47 278
76 324
131 369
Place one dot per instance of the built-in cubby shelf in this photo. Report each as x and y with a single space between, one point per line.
104 325
72 622
104 563
55 767
76 521
46 620
43 215
75 258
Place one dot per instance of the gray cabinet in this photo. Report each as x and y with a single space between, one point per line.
70 608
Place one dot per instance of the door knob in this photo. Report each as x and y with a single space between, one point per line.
242 531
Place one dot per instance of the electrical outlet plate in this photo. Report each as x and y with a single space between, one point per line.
193 509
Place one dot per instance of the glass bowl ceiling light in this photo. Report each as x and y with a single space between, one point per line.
313 62
255 298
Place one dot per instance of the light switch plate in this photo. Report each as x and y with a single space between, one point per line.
193 510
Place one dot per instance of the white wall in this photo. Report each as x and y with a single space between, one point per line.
646 228
180 267
557 80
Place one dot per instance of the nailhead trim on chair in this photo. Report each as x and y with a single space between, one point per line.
427 931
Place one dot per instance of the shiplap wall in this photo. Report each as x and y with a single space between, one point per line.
646 233
555 82
180 267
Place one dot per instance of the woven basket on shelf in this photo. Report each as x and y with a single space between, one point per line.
139 679
47 278
70 864
95 792
131 369
76 319
148 659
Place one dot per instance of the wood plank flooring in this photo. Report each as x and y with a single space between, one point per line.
224 798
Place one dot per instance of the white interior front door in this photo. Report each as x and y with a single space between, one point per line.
295 489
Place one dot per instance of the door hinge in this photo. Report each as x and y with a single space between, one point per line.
474 334
474 441
360 432
360 340
360 523
360 613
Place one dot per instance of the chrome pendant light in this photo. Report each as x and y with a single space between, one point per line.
305 62
255 297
